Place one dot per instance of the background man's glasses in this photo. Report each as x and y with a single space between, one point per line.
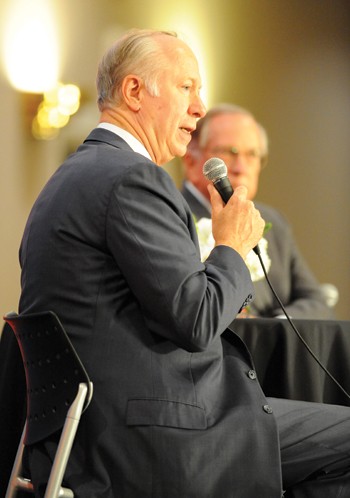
251 156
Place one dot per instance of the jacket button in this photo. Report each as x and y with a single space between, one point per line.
267 409
252 374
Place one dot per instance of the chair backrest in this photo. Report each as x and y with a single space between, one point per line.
53 372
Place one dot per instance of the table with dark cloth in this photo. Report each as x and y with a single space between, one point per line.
286 369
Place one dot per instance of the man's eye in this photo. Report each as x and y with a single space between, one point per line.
253 154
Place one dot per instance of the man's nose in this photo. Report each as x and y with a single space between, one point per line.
198 108
237 163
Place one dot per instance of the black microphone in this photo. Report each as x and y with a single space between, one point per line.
215 170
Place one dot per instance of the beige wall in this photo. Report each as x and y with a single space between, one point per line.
288 62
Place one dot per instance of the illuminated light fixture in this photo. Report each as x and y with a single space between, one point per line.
43 132
55 110
30 46
31 63
68 99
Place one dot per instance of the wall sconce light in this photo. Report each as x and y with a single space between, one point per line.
30 46
31 63
54 111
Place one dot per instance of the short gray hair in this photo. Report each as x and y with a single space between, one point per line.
200 135
137 52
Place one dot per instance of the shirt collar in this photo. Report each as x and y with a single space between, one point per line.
135 144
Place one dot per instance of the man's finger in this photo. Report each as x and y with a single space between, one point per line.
215 197
241 192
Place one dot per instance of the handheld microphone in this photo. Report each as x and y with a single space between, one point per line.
215 170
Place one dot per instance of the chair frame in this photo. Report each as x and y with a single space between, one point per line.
70 424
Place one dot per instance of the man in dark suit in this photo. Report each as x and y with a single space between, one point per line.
232 134
111 247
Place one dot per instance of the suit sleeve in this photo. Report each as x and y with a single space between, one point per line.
306 298
151 235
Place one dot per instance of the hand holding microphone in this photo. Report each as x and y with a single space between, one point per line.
238 224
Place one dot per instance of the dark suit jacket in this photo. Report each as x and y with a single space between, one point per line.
295 284
111 247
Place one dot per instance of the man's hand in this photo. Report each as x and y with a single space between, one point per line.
237 224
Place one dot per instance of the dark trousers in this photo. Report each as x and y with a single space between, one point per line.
315 448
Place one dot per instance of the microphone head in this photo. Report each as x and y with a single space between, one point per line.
214 169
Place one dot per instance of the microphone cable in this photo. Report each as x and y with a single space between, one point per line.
215 170
327 372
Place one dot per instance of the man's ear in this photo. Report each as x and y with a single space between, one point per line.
131 89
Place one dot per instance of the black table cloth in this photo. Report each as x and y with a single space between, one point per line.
286 369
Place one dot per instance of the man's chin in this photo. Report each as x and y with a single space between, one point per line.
180 150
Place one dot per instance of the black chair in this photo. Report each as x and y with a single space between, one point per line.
58 392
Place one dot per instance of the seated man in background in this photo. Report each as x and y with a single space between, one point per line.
232 134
